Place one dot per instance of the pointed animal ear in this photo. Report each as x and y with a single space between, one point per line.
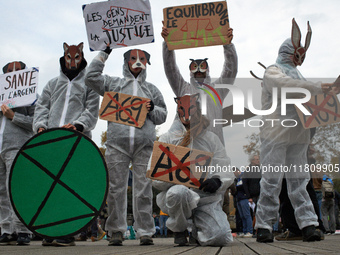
191 59
308 36
296 34
176 99
147 55
65 45
80 46
196 96
205 59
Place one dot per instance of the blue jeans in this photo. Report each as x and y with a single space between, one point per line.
162 225
244 210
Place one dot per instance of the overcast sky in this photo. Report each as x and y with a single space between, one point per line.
34 31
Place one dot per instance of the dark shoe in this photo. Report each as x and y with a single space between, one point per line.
116 239
181 238
8 239
23 239
81 238
288 236
264 236
47 242
322 235
146 240
310 234
64 242
193 240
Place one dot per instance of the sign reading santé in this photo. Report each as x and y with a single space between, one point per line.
19 88
197 25
177 164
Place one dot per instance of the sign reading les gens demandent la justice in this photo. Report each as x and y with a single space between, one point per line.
197 25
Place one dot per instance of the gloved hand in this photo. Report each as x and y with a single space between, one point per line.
107 49
211 185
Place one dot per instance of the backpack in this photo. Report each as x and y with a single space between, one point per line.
327 189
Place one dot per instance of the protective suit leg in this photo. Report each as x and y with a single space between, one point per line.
118 165
9 221
178 202
5 207
211 226
296 186
142 194
267 213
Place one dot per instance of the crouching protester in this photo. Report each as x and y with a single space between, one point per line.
203 206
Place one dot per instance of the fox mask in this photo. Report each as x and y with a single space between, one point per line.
73 55
187 107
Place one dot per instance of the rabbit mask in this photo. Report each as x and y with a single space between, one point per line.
300 52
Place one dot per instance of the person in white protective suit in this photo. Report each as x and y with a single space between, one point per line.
66 102
200 80
203 206
15 130
127 144
286 146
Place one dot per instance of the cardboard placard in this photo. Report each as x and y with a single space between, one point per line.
178 165
125 109
19 88
120 23
325 110
197 25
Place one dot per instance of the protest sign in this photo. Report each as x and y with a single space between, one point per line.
125 109
179 165
324 109
19 88
197 25
120 23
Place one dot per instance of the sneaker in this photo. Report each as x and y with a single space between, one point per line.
288 236
322 235
64 242
181 238
264 236
248 235
23 239
47 242
146 240
310 234
8 239
116 239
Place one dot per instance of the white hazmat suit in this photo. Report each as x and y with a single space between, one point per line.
13 134
127 144
181 87
210 224
284 146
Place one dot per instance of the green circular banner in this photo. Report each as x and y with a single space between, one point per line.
58 183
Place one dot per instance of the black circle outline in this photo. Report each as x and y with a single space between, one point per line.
77 133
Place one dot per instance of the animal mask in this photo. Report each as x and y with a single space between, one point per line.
73 55
187 107
198 65
300 52
13 66
137 58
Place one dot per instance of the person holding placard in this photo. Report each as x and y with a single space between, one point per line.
66 102
15 130
210 225
200 79
127 144
286 146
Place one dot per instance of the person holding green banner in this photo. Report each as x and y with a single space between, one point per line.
15 130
